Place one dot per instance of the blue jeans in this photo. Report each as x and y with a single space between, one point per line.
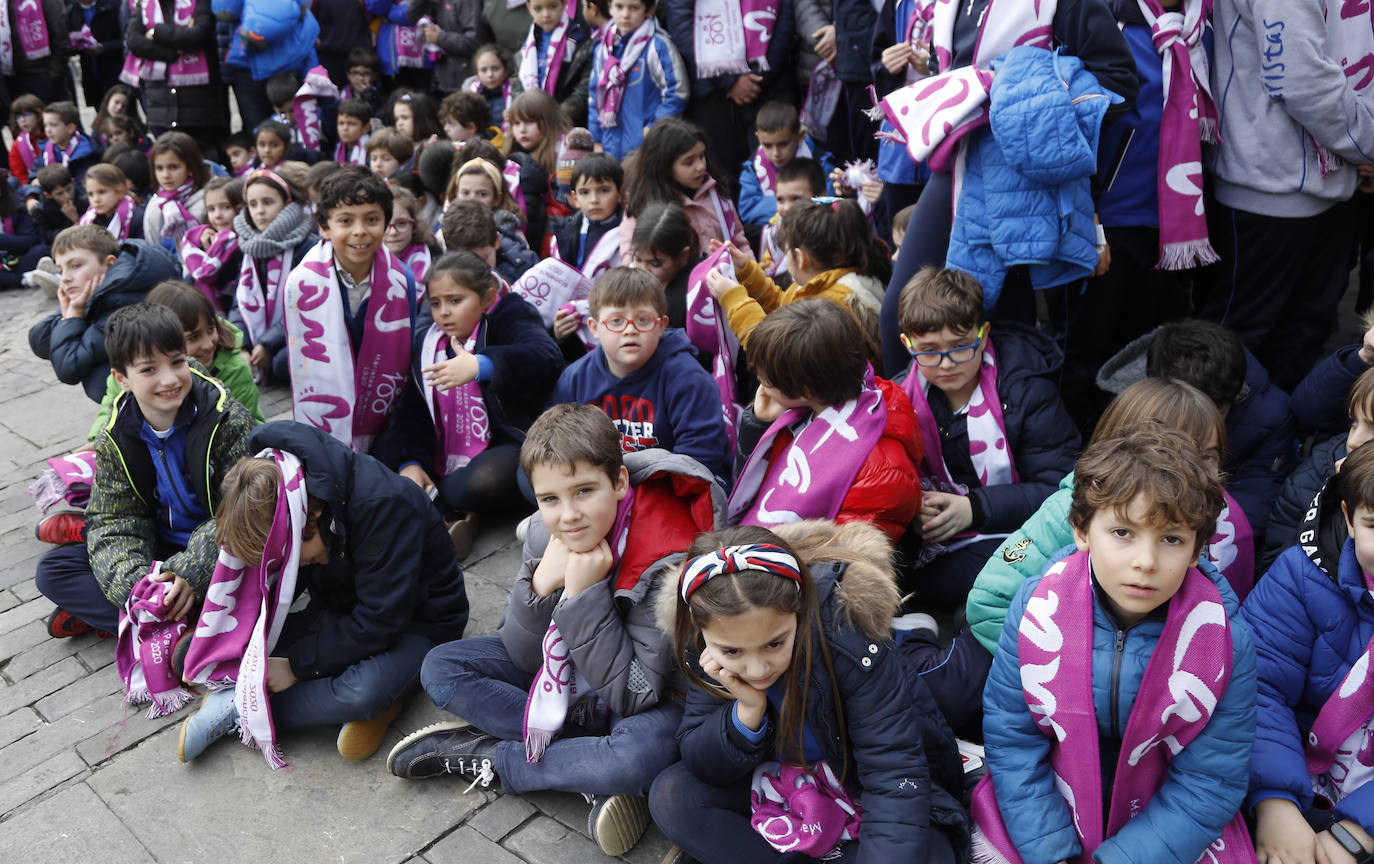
476 680
357 693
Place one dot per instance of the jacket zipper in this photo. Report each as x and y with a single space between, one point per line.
1117 653
162 454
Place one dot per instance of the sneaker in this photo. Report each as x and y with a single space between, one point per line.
45 276
217 717
913 621
454 747
64 625
62 529
179 650
617 822
523 528
361 738
676 855
463 533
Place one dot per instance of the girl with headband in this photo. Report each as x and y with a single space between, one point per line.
804 731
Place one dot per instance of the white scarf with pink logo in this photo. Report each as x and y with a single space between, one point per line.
204 266
172 205
1184 681
187 70
32 28
560 47
552 285
730 37
120 220
615 71
245 608
356 154
259 299
603 255
305 105
987 429
710 333
462 427
345 397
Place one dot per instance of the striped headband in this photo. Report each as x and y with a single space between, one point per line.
736 559
268 174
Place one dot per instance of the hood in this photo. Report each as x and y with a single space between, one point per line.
1024 352
672 342
328 463
139 267
1126 366
866 596
902 425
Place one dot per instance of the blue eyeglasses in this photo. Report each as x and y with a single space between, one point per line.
957 355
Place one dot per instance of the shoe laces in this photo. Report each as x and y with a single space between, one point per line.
484 776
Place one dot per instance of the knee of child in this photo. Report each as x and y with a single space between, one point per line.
362 702
671 797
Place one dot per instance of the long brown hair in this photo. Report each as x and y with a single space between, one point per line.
536 106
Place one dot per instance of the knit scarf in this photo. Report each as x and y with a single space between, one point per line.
245 608
418 258
709 332
615 71
258 297
560 691
305 105
120 218
187 70
348 398
1186 677
143 652
65 478
204 266
28 145
560 46
356 154
767 172
462 427
172 204
32 29
730 37
811 474
1349 43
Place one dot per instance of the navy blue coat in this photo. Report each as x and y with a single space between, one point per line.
1309 630
391 570
1318 403
1295 499
1259 446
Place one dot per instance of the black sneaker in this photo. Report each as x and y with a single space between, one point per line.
455 747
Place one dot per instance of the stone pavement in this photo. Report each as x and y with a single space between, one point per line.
84 779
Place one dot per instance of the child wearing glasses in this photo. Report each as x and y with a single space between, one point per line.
997 437
645 377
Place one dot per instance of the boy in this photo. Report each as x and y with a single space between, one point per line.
364 68
1086 777
799 180
899 223
350 314
1311 623
557 46
239 148
997 437
281 91
466 116
389 152
590 240
646 378
66 145
469 225
383 581
172 433
353 125
60 205
98 275
781 140
572 589
640 79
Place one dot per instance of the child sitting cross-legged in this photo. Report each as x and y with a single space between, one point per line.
1119 713
596 557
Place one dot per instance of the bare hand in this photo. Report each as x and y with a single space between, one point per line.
456 371
72 302
1104 260
825 43
896 57
765 408
32 205
177 598
585 569
737 256
260 357
88 447
746 89
431 34
1366 174
837 182
718 283
753 703
565 323
872 190
1282 836
944 515
418 476
549 575
207 238
69 210
279 674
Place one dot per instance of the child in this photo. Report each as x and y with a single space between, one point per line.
59 207
785 639
240 150
152 499
466 116
471 226
272 144
121 100
274 234
121 129
596 558
181 175
350 315
485 352
281 91
781 139
997 437
672 167
379 600
134 163
210 254
211 341
1075 765
665 246
409 238
354 125
492 81
899 225
20 249
65 145
414 115
537 127
481 180
112 207
640 79
400 46
557 58
26 129
811 359
647 380
798 181
1312 625
389 152
364 68
99 275
590 240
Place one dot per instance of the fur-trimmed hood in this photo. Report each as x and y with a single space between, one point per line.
867 595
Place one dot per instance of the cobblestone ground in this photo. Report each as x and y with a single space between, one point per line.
84 779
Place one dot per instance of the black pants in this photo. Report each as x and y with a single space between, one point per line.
954 673
926 242
64 576
1280 283
729 129
486 484
852 134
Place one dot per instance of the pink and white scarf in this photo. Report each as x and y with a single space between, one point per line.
28 145
811 476
204 266
710 333
260 299
987 429
802 809
172 204
187 70
1340 746
551 284
560 691
330 390
245 608
767 172
462 427
560 47
418 258
61 156
1349 43
305 105
773 258
730 37
120 220
719 206
410 46
603 255
822 98
1232 548
65 478
33 33
615 71
356 154
143 652
1184 681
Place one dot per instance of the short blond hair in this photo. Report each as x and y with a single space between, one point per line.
92 238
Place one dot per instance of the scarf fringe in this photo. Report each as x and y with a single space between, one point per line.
981 850
536 742
161 705
877 115
47 490
1185 256
271 752
724 67
1207 128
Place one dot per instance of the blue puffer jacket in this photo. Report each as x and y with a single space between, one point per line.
1027 196
282 35
657 87
1309 630
756 208
1206 782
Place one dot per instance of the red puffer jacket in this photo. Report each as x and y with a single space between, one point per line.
887 491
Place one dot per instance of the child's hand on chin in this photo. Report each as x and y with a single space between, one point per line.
752 701
549 575
585 569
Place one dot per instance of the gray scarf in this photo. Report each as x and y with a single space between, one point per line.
287 230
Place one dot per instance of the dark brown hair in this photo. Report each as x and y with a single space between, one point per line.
626 287
812 349
469 225
835 236
192 307
570 433
1360 402
937 298
1203 353
393 142
187 150
778 117
465 269
1356 480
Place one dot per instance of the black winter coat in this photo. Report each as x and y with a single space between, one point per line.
199 106
102 68
1295 499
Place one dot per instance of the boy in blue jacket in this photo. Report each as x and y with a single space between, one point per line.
646 378
1314 626
1132 624
638 78
781 139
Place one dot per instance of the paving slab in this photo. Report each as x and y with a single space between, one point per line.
17 724
73 825
467 846
500 817
50 740
39 779
79 693
44 654
32 689
549 841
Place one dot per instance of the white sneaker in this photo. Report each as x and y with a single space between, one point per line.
913 621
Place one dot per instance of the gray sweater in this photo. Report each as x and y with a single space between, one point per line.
1273 82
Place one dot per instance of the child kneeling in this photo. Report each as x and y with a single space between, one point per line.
581 612
1119 713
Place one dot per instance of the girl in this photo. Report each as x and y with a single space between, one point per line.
493 82
482 181
26 128
210 254
274 234
785 637
111 205
672 167
664 244
409 237
550 59
122 129
134 163
537 126
414 115
180 174
121 100
272 144
20 250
